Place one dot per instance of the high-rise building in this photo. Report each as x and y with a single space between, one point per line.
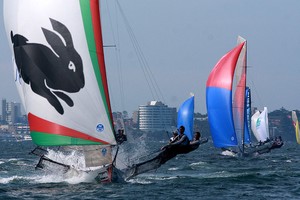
4 113
11 112
15 112
156 116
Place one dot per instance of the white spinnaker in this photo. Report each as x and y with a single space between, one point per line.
262 125
253 125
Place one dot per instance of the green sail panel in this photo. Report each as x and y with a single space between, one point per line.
44 139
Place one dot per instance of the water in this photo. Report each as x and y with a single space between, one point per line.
202 174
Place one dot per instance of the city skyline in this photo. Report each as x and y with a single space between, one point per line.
184 41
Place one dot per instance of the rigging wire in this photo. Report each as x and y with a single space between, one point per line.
257 95
116 41
152 83
149 76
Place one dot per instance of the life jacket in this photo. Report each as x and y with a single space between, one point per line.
186 141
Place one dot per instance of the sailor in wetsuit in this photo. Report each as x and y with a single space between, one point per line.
182 140
180 146
196 139
173 148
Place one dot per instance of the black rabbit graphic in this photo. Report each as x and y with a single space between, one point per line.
50 73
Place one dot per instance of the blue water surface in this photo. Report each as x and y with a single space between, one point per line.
202 174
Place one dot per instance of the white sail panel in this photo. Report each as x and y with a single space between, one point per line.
262 126
82 108
253 125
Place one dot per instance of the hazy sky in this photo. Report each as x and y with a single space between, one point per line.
182 40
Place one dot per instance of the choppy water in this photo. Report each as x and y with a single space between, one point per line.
202 174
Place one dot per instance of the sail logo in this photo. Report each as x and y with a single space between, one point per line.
99 128
258 122
50 72
104 151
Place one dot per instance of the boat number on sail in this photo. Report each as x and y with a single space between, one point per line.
100 128
50 72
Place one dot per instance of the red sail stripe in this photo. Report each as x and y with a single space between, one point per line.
40 125
222 74
99 48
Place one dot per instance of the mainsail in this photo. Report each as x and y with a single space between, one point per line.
219 98
238 104
247 120
296 125
60 72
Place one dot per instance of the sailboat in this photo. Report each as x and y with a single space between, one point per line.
260 129
185 117
228 114
296 125
226 117
60 74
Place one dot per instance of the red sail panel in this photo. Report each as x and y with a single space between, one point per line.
222 74
43 126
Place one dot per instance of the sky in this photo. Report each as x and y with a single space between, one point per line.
182 40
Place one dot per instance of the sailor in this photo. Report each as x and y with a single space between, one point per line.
183 140
196 139
278 141
121 136
175 137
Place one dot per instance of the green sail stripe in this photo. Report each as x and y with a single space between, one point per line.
46 139
88 27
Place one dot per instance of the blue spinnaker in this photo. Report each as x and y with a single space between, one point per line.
186 117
